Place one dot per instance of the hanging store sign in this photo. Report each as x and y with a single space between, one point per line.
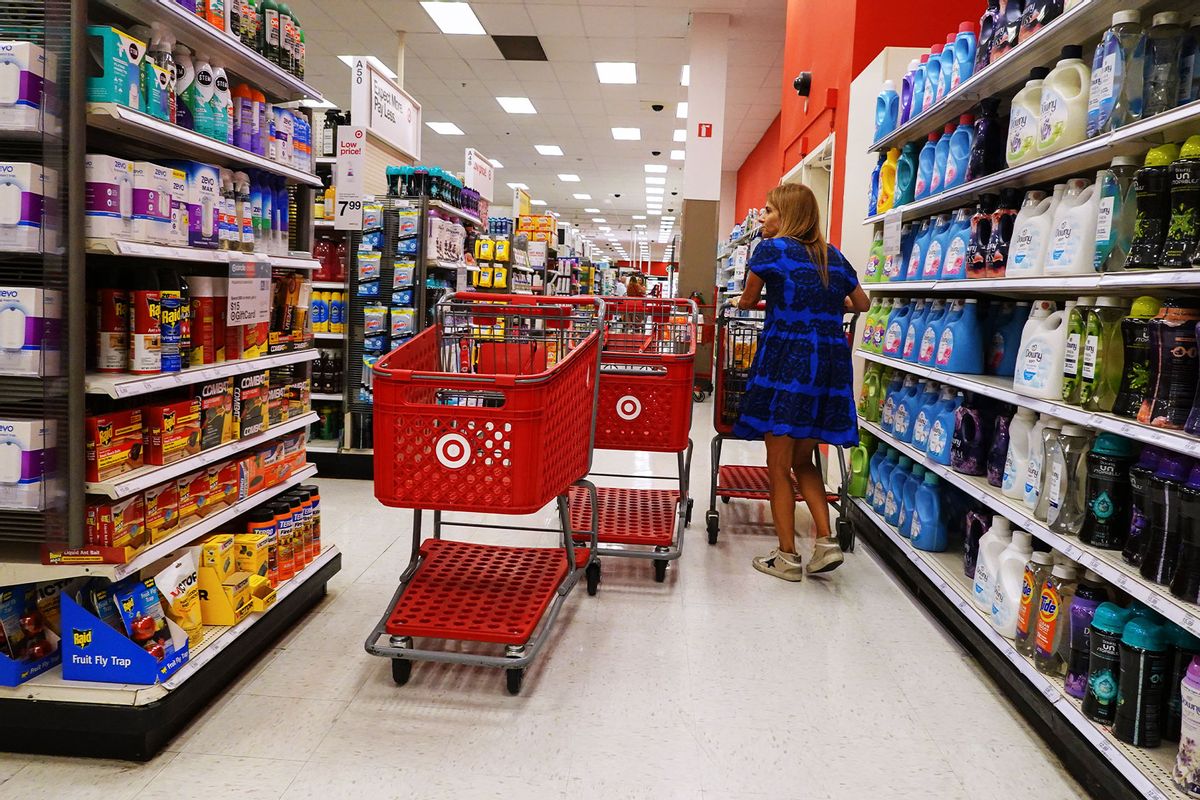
386 110
348 179
479 174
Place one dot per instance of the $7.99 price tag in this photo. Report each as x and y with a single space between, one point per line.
249 292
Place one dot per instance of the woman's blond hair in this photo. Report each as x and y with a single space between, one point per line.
800 219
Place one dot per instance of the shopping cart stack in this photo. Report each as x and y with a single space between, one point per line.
491 411
737 336
647 369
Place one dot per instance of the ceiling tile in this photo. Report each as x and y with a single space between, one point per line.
475 47
557 20
501 19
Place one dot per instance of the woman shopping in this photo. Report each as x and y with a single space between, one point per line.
800 390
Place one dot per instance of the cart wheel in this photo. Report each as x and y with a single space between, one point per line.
725 500
514 677
688 519
845 534
401 670
593 580
697 396
660 570
713 520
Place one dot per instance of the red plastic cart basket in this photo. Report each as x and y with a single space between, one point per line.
491 410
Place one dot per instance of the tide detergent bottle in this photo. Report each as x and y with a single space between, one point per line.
941 435
960 347
1039 369
958 242
928 527
925 168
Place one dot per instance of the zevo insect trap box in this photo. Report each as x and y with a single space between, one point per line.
179 208
30 329
151 202
26 93
114 67
27 191
108 197
27 462
203 202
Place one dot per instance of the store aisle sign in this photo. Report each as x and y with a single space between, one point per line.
249 292
479 174
388 111
348 177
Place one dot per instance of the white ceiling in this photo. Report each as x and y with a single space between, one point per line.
457 78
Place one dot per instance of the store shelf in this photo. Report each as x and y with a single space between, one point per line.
329 284
148 476
1001 389
1135 282
172 141
322 445
120 247
326 160
1148 770
323 224
296 261
440 264
1106 563
133 385
446 208
52 687
115 572
330 336
333 397
201 37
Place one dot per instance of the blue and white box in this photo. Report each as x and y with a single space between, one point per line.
151 202
114 67
203 202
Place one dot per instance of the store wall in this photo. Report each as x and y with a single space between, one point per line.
759 173
655 268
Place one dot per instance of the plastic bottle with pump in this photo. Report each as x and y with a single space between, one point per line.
1103 354
1118 67
987 563
1116 214
1025 119
1152 188
1073 241
1064 103
1039 369
1006 596
1162 62
1073 356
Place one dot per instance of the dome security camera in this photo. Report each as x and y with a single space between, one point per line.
803 84
618 194
656 153
674 194
657 106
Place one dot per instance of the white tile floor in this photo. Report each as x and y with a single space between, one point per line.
720 683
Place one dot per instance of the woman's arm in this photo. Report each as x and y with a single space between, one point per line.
752 292
857 301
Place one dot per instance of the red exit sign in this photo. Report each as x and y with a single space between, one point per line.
704 130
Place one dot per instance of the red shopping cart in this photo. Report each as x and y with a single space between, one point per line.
737 337
490 410
647 367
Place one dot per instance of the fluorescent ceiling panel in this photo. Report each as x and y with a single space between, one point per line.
454 18
680 135
548 149
685 75
627 134
653 181
677 155
445 128
516 105
582 197
591 211
616 71
656 168
681 110
537 202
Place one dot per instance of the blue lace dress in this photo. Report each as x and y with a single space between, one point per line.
801 382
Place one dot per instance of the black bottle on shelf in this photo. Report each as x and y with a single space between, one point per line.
1139 504
987 152
1179 246
1003 220
1152 186
1165 529
981 234
1185 583
988 25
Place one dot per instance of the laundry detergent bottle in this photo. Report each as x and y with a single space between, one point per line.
906 410
1039 370
1073 243
988 25
1005 340
1040 438
1064 102
987 563
1103 354
906 174
1030 235
962 141
1003 219
895 491
1051 647
965 45
906 92
981 235
933 332
1073 357
913 328
1116 214
1016 465
941 157
925 168
918 90
998 450
928 413
933 77
883 479
960 346
958 243
941 435
1006 597
916 332
1037 570
887 110
887 182
928 530
1118 70
936 252
908 500
897 326
1025 119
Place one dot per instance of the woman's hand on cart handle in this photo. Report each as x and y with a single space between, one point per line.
751 292
857 302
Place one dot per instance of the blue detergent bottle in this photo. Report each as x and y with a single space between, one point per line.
958 242
947 75
873 190
906 174
941 435
926 416
908 499
962 142
908 240
884 480
916 257
965 45
895 491
960 348
887 110
906 91
933 76
941 155
906 414
925 164
877 459
928 531
932 335
927 332
1005 341
912 334
902 413
918 96
887 416
897 327
936 252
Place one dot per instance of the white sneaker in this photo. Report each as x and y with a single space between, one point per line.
827 556
780 564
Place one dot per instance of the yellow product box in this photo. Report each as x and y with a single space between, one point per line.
217 553
253 551
262 596
219 595
237 589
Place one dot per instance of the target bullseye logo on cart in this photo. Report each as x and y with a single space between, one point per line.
453 451
629 408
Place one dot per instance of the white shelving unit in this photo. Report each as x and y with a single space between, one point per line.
332 337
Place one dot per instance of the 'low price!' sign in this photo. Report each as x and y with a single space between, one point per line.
249 292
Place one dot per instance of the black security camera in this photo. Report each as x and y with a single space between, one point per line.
658 106
656 153
803 84
618 194
673 194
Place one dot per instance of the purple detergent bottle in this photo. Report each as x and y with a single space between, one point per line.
1165 531
1139 504
968 453
998 453
1193 421
977 522
1090 593
1185 583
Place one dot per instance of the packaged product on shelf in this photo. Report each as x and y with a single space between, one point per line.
1117 214
1138 718
1180 245
246 341
202 321
25 632
1115 96
1152 185
27 207
162 511
178 585
203 203
981 235
217 553
192 490
172 431
337 312
30 331
368 274
145 621
26 87
1064 102
1025 119
216 413
1162 62
250 402
151 202
277 406
108 197
314 496
179 209
119 524
253 549
222 105
1168 401
157 81
114 443
114 73
403 322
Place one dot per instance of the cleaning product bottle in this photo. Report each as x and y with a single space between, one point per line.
925 168
1025 119
874 468
202 98
1052 639
1016 464
908 501
1186 775
965 45
895 491
918 91
935 310
1003 219
868 326
1005 342
914 329
928 530
1038 14
185 77
1008 31
968 448
859 459
933 77
1138 363
1033 580
958 242
874 268
960 346
1175 364
1182 647
1073 244
1040 441
961 143
989 25
895 394
1073 357
906 92
1039 370
936 252
885 311
1117 214
987 147
1051 450
906 174
883 479
1162 62
927 414
887 110
981 234
1164 528
1104 662
1138 719
1064 102
922 235
873 194
1028 238
1180 245
897 326
987 563
1103 354
1152 188
887 182
895 265
869 398
932 334
1185 583
1006 597
1189 87
1118 67
941 156
1107 501
976 525
1140 475
222 106
998 450
906 413
1067 480
1089 595
947 74
941 434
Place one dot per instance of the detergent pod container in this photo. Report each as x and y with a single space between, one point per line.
1180 248
935 254
965 45
1024 119
1152 189
941 433
927 349
941 157
958 242
1116 214
906 174
1064 103
887 110
1039 368
958 160
906 91
928 531
1073 244
1005 341
960 347
925 168
897 327
887 182
928 413
916 327
1032 233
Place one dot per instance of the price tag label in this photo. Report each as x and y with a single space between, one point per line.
1189 623
1155 602
1073 552
891 233
249 300
1049 692
348 214
349 173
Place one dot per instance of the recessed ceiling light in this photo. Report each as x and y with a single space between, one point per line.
668 219
604 229
517 186
681 110
653 181
567 177
454 18
372 60
537 202
548 149
495 164
445 128
627 134
616 71
657 168
639 216
655 190
680 135
516 105
639 225
685 75
677 155
582 197
599 219
591 211
655 213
